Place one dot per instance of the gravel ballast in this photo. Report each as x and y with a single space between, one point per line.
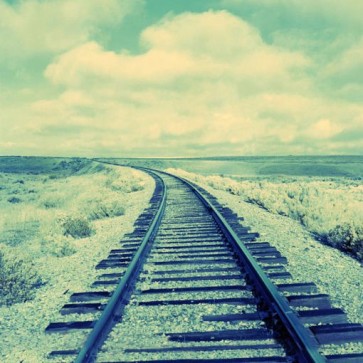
331 270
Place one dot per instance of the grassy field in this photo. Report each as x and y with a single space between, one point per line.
48 207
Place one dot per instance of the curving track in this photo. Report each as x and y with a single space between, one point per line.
191 284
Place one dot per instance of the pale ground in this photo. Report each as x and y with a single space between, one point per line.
22 337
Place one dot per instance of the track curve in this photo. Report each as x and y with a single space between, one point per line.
197 274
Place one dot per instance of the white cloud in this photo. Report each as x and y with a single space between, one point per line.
202 82
90 61
202 78
348 67
37 27
213 34
212 45
324 129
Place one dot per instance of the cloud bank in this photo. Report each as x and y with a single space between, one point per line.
202 84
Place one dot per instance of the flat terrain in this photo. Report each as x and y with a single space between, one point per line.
59 218
58 213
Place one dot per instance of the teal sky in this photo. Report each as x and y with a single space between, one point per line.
136 78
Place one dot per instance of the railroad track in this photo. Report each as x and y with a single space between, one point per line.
191 284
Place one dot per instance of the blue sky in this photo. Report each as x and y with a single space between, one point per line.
181 78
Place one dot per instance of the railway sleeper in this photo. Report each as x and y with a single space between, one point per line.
321 301
63 353
266 254
191 250
105 282
131 237
323 316
194 262
259 249
199 254
64 327
279 275
345 358
90 295
124 250
104 264
257 244
194 289
111 275
216 237
338 333
215 336
173 246
120 257
189 226
198 278
196 228
203 348
208 269
232 301
307 317
270 359
82 308
303 287
236 317
132 245
273 267
272 260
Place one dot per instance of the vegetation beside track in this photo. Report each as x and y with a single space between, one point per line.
48 209
330 208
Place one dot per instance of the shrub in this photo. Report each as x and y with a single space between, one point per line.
14 200
119 184
57 245
52 200
348 237
18 280
102 209
76 227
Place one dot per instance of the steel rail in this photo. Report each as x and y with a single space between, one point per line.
303 339
119 297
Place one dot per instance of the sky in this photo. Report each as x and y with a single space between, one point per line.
162 78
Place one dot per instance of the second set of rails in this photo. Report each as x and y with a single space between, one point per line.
192 284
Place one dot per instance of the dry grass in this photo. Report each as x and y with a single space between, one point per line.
45 215
332 209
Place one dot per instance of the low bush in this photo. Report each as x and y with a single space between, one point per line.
18 279
76 227
52 200
14 200
57 245
348 237
119 183
104 209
